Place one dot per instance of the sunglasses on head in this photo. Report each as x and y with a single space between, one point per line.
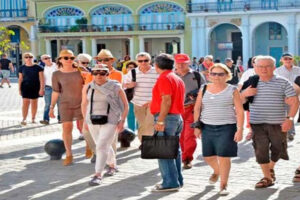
104 60
26 57
67 58
101 73
287 58
141 61
85 63
217 74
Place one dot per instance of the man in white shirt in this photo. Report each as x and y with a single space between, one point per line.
49 68
290 72
146 77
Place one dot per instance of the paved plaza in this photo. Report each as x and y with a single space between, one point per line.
27 173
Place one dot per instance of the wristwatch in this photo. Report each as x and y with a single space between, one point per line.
290 118
160 123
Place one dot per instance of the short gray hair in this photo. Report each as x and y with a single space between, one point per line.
143 54
270 58
84 56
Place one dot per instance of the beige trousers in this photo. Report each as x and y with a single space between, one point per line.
89 139
145 121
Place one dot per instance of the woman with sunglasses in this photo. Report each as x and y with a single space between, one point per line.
31 86
106 98
221 114
67 84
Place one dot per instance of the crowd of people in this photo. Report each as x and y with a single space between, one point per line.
173 95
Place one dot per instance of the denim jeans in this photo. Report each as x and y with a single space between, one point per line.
47 98
170 169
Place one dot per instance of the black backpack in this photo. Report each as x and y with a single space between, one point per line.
130 91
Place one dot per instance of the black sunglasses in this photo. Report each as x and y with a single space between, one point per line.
26 57
218 74
104 60
141 61
46 58
67 58
101 73
85 63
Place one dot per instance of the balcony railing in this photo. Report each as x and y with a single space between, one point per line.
111 28
252 5
13 13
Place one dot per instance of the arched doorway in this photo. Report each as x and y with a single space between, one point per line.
226 41
270 38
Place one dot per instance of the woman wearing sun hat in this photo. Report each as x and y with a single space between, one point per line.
106 98
67 84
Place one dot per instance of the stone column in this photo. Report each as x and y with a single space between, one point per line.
48 47
195 52
131 47
181 44
83 40
142 44
292 34
58 46
33 40
94 47
246 39
202 41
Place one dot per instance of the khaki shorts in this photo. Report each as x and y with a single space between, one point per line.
268 137
5 74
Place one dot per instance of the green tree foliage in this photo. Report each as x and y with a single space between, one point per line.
5 42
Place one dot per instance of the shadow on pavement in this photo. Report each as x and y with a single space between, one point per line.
292 192
203 193
50 180
258 194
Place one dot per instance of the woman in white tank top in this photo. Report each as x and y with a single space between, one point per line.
221 114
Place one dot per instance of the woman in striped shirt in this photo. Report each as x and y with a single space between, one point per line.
221 114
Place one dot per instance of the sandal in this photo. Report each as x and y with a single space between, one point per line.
264 183
272 172
23 123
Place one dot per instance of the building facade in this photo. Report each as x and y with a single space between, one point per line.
19 16
232 28
126 27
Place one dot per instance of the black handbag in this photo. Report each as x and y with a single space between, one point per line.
130 91
98 119
159 147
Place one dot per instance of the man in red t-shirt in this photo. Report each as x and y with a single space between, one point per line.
167 107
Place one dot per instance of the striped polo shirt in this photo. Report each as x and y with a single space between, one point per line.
218 109
144 85
269 102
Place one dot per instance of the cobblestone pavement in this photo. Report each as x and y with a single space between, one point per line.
27 173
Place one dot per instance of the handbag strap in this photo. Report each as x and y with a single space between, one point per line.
92 98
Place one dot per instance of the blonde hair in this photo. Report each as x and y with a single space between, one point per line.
27 54
224 67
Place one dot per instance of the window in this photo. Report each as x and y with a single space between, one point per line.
275 32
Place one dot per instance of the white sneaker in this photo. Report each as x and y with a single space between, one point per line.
224 192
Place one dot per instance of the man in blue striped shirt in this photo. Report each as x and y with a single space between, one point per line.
268 118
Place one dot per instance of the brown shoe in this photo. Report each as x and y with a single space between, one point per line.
88 153
213 178
187 165
68 160
264 183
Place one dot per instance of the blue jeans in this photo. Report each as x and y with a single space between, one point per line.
170 169
47 97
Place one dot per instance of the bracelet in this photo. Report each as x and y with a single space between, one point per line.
51 107
239 128
160 123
